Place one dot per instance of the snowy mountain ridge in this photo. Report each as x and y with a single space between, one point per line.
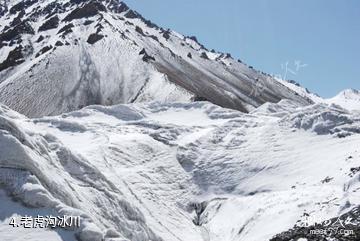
349 99
59 56
167 164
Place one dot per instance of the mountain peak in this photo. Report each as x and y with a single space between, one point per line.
348 99
77 53
349 94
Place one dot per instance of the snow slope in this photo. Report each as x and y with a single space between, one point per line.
173 169
180 171
300 90
348 99
59 56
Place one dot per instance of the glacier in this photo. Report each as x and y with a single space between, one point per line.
147 135
180 171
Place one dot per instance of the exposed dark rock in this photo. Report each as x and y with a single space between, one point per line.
12 42
166 34
354 170
22 5
49 11
204 55
199 209
293 82
146 57
66 32
228 56
199 98
117 7
6 28
143 51
50 24
88 10
14 33
3 9
150 24
132 14
58 43
43 50
189 55
15 57
154 38
172 53
77 1
218 58
66 29
93 38
41 38
326 180
88 22
35 14
17 20
193 38
99 28
129 23
139 30
17 7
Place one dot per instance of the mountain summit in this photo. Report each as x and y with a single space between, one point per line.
348 99
59 56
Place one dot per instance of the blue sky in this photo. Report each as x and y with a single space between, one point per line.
320 40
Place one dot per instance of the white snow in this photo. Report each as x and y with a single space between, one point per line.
348 99
169 170
138 171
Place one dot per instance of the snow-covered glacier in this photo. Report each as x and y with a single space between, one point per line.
146 135
179 171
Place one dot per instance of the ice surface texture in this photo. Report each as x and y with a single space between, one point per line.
182 171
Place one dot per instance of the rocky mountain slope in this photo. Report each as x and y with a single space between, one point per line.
58 56
278 163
